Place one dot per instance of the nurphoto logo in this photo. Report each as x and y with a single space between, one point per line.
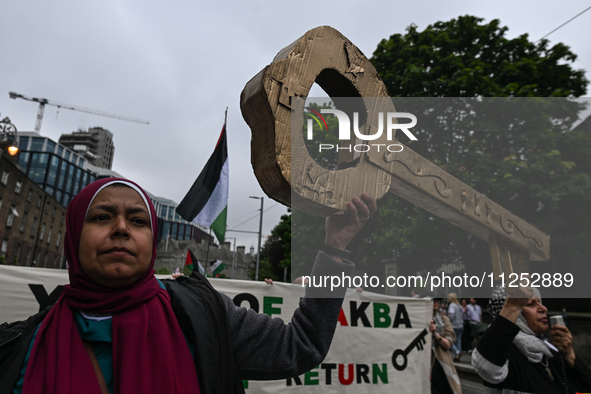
345 129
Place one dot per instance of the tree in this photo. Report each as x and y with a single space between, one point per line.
542 175
276 252
465 57
328 158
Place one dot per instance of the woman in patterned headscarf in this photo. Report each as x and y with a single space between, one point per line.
513 357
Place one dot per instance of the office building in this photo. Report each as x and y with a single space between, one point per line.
95 145
32 222
172 226
58 170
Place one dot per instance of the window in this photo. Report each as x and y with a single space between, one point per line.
53 214
62 175
29 195
62 219
17 253
38 167
23 143
77 182
50 146
33 227
59 238
4 179
24 222
23 161
11 214
0 202
39 201
71 170
29 255
47 207
4 248
52 173
42 231
49 234
17 189
37 144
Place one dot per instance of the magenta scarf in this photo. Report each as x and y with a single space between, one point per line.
150 354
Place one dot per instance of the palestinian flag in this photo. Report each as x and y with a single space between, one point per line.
217 267
191 261
206 203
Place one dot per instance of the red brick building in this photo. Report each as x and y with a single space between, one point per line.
32 223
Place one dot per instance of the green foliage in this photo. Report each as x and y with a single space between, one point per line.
163 271
540 172
327 158
276 252
465 57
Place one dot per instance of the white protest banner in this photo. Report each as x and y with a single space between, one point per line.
371 328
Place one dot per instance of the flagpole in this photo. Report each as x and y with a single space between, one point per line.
208 243
256 276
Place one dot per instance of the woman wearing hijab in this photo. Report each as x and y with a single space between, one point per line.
117 329
513 357
444 377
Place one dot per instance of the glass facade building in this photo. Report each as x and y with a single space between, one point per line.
58 170
171 224
62 174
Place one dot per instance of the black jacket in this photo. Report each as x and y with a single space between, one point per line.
14 343
503 368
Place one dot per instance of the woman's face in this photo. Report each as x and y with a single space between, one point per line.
535 316
435 305
116 239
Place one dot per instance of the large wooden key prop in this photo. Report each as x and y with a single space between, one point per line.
289 175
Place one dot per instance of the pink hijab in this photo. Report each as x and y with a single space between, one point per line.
150 354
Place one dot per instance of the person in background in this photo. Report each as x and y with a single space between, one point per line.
456 317
464 306
474 312
467 334
475 318
444 377
513 357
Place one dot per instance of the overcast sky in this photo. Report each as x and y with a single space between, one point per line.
179 64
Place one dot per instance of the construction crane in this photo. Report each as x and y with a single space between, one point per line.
43 102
